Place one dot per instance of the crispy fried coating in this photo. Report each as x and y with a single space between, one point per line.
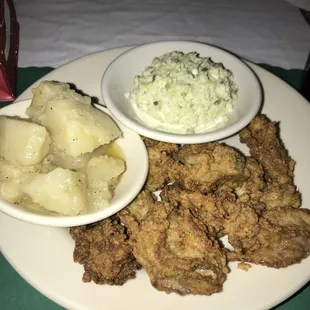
207 166
261 136
173 245
250 188
160 160
104 251
207 191
137 211
242 223
280 195
281 237
275 238
253 182
201 206
178 255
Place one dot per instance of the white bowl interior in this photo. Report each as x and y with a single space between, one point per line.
130 184
119 76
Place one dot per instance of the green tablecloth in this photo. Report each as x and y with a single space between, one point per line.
16 294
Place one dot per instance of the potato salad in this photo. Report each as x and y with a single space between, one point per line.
56 161
183 93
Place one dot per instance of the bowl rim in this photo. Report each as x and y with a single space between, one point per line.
215 135
23 214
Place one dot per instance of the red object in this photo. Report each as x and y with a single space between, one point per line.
9 44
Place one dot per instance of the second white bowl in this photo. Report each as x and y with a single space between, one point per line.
119 76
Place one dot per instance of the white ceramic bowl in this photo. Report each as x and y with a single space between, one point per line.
118 80
129 186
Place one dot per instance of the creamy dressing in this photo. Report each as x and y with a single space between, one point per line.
183 93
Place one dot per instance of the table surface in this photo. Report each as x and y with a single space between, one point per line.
15 293
54 32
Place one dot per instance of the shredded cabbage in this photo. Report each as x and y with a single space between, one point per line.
183 93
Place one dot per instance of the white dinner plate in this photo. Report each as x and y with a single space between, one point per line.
43 255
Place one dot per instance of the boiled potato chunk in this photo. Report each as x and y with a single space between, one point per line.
75 125
23 142
62 191
102 173
29 205
62 160
49 91
13 178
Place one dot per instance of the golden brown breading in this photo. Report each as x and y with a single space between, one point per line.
201 206
281 237
280 195
261 137
104 251
160 160
250 189
216 191
207 166
242 223
173 247
253 182
175 251
137 211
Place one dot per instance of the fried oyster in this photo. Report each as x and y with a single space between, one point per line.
160 157
104 251
174 248
208 191
262 138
